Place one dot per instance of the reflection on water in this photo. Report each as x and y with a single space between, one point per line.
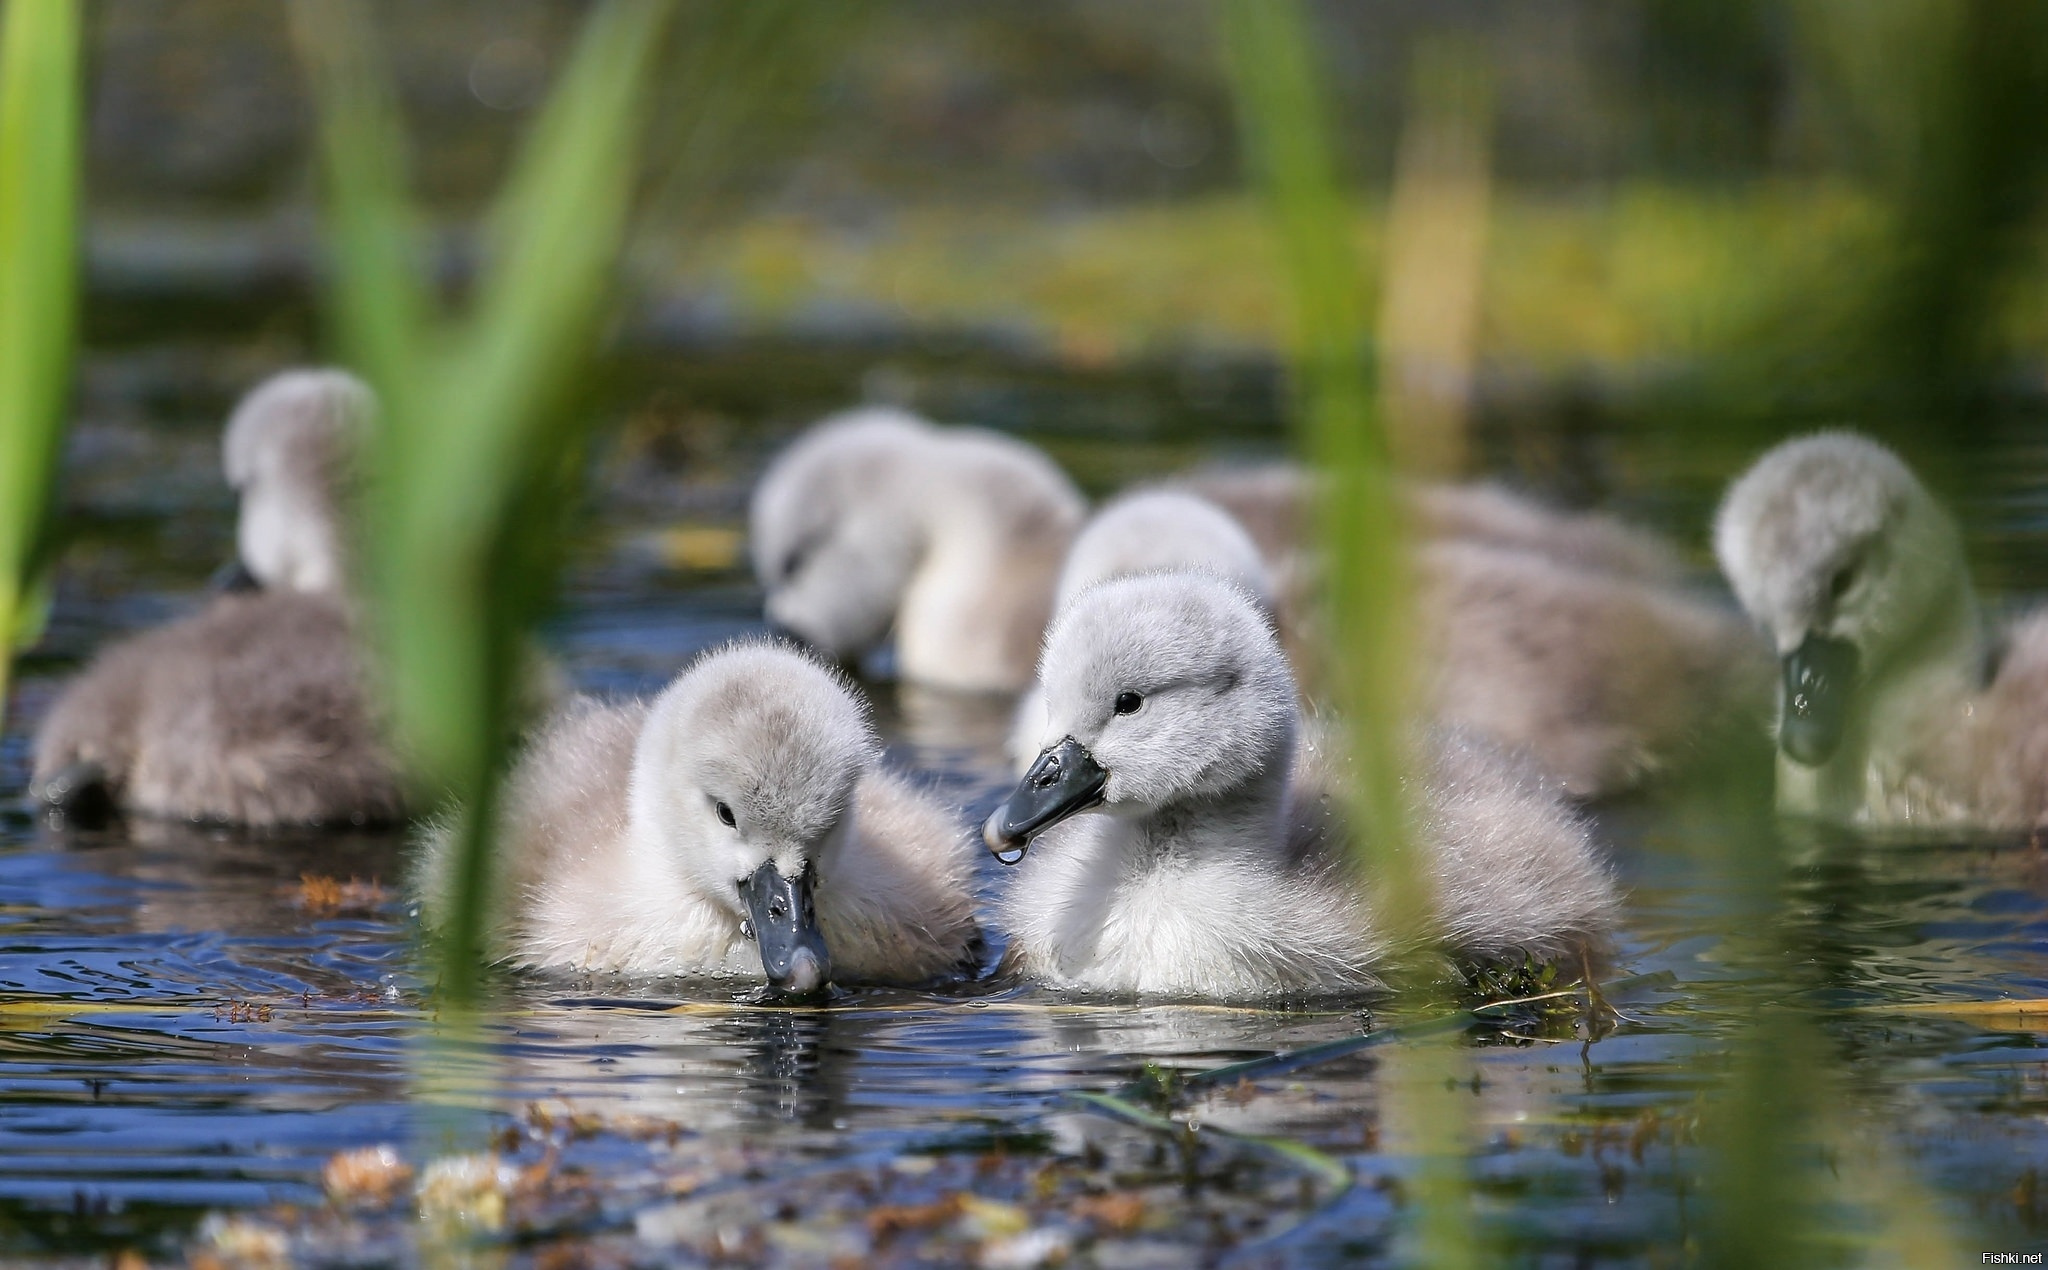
187 1024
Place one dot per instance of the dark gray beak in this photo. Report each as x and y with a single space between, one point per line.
1820 676
1065 779
233 578
785 925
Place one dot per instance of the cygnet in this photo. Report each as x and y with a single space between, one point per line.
1894 708
1568 635
1606 681
739 825
876 521
1272 502
1146 531
1177 848
256 710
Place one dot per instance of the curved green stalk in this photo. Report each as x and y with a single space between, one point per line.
39 156
474 407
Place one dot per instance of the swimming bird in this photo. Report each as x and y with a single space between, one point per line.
1177 847
1570 635
1160 530
744 803
876 520
1272 502
256 710
1894 708
1607 681
1145 531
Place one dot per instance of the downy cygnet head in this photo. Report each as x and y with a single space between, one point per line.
289 454
1159 530
743 778
1842 556
1159 689
833 541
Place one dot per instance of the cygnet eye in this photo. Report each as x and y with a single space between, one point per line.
1845 577
1128 702
800 554
725 815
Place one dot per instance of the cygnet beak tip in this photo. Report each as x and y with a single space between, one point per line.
1065 780
807 973
1007 848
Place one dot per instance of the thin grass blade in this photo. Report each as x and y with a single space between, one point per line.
39 175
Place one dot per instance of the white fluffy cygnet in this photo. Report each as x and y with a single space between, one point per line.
738 825
254 711
1893 708
1161 531
875 520
1147 531
1177 847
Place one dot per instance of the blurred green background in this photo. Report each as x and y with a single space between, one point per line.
1707 223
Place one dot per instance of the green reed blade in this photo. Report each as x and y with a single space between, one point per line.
474 407
1367 604
1282 119
39 165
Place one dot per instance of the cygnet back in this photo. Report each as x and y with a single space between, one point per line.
1159 531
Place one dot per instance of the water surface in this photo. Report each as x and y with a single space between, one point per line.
188 1028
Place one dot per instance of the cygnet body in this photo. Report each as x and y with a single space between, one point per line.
256 710
1147 531
1893 708
1567 635
1271 501
737 825
1605 680
953 537
1178 848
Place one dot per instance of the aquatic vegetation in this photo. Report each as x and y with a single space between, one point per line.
475 438
39 178
1368 592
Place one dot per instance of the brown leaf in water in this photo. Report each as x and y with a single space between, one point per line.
324 896
372 1175
1121 1212
890 1220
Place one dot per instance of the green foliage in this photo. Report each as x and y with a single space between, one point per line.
1282 119
474 428
39 163
1281 114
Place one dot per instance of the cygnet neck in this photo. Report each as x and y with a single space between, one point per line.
988 537
1938 666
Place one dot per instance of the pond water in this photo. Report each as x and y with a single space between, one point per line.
193 1024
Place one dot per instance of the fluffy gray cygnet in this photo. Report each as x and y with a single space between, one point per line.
875 521
1894 708
1146 531
1179 845
255 711
1272 502
739 825
1567 635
